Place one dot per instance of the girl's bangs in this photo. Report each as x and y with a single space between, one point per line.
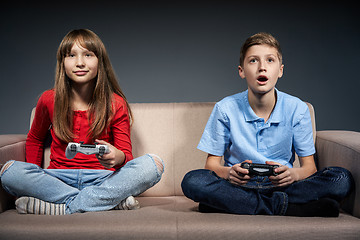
84 39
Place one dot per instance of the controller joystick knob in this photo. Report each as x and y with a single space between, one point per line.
101 150
245 165
73 148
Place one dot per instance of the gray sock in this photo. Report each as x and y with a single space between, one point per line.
31 205
129 203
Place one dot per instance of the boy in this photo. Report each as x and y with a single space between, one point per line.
266 126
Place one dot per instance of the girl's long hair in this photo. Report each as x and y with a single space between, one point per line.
100 108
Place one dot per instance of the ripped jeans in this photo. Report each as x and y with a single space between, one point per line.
81 190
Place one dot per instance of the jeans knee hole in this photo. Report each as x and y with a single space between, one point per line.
6 166
158 162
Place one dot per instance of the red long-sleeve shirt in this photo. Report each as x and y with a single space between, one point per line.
117 134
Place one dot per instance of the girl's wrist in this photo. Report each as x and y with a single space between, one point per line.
120 157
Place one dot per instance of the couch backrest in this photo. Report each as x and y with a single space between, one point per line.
172 131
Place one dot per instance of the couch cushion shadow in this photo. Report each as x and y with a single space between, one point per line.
173 217
195 225
157 221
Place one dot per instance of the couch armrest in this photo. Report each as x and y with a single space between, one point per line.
12 147
341 148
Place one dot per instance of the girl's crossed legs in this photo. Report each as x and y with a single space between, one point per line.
82 190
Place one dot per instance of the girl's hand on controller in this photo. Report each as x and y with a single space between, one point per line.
238 175
113 158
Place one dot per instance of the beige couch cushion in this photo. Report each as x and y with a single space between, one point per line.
173 217
172 131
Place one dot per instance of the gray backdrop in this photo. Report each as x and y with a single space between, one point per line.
186 52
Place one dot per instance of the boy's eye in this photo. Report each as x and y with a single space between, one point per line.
253 60
270 60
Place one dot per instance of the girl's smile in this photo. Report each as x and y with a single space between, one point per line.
80 73
81 65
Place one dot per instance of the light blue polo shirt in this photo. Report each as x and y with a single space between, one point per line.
237 133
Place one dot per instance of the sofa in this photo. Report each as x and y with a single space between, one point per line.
172 131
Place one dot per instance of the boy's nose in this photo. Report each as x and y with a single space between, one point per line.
262 67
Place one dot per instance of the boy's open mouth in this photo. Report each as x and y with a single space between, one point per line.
262 78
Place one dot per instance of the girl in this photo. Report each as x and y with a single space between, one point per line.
85 105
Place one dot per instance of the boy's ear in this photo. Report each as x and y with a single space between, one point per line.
281 72
241 72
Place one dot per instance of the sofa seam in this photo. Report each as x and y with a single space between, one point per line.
12 144
173 148
334 142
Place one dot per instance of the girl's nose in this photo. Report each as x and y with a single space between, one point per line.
80 62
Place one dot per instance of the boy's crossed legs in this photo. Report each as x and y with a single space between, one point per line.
317 195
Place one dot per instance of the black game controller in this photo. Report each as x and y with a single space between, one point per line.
258 169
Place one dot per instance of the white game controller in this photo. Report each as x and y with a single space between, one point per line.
73 148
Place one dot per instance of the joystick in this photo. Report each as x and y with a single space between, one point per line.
73 148
260 169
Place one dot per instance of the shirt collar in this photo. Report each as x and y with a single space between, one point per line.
249 113
276 115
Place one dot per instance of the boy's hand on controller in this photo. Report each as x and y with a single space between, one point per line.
238 175
285 177
113 158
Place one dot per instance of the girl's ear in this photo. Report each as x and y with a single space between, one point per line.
241 72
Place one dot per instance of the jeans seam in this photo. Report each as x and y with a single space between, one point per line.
284 204
79 180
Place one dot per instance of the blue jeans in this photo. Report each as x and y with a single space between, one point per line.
81 190
259 196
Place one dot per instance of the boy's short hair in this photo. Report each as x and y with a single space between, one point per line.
259 39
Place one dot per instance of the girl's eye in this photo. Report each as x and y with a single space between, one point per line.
71 55
89 55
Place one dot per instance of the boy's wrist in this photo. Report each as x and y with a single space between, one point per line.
221 171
